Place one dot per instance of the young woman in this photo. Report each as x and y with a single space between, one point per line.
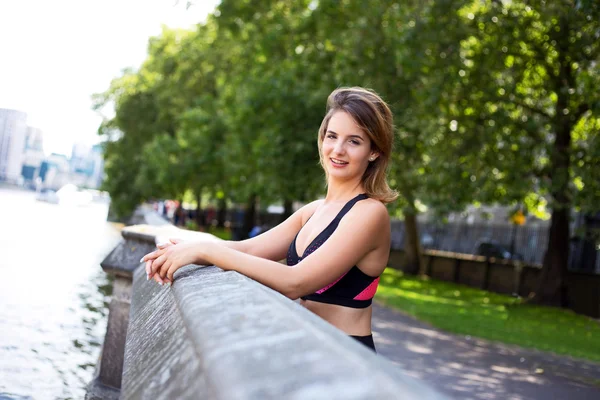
335 248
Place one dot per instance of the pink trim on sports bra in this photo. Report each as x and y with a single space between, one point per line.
369 291
331 284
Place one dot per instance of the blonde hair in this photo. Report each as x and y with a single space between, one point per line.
374 117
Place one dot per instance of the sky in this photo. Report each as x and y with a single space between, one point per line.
54 54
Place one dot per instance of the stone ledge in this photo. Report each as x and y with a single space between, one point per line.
221 335
257 344
157 234
241 340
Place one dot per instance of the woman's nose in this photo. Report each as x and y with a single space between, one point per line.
339 147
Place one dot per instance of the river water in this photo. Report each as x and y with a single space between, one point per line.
53 296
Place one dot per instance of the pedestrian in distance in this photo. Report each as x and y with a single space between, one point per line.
336 248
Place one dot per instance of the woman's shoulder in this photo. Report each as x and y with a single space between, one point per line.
373 208
372 219
371 213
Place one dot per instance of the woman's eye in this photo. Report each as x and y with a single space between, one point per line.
356 142
330 136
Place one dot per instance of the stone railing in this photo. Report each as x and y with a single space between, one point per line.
220 335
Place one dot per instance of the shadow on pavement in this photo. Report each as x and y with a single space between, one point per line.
470 368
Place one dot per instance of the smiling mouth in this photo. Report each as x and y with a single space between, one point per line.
338 162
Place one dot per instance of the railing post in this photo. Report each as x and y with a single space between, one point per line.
121 263
429 267
518 277
111 366
457 270
486 274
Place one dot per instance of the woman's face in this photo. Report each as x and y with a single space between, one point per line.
346 149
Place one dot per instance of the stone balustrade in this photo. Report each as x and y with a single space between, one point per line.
220 335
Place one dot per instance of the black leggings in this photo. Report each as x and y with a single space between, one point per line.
366 340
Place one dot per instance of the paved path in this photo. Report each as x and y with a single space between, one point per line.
467 368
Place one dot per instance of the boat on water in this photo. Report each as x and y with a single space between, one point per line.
69 194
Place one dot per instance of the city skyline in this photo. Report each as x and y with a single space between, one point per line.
64 52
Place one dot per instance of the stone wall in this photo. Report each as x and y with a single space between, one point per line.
504 276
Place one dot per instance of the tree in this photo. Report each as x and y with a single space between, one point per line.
169 132
391 47
523 113
271 106
134 123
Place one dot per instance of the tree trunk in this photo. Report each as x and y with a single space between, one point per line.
249 216
287 209
551 289
222 213
412 247
199 212
179 216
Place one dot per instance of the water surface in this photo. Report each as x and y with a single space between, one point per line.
53 296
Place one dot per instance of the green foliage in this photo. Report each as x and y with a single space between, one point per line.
469 311
272 106
494 102
521 108
475 103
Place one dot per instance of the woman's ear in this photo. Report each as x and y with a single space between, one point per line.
373 156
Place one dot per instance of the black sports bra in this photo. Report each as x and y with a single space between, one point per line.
353 289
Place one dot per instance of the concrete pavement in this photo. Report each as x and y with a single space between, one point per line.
469 368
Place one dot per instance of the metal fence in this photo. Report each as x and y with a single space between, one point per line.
530 242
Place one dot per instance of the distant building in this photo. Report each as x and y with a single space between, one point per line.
33 155
97 156
54 171
13 132
34 139
87 165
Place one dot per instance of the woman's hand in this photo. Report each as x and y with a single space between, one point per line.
162 263
148 268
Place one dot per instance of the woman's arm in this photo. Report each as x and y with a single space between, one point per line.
358 233
270 245
273 244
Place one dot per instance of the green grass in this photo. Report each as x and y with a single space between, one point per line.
465 310
222 233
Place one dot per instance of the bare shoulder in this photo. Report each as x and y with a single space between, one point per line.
369 222
370 215
373 210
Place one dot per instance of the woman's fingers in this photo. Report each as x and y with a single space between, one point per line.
156 264
158 280
163 245
159 265
152 255
171 271
164 268
148 269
